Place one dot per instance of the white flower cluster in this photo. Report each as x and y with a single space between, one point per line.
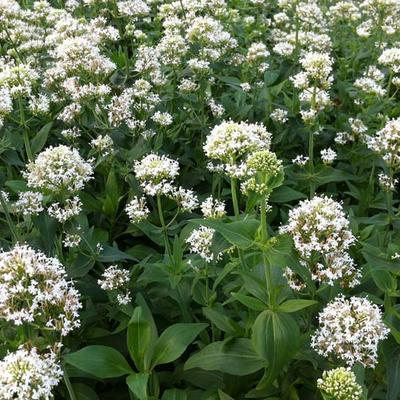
279 115
341 384
58 169
371 82
34 290
321 235
328 156
137 209
386 142
27 374
391 58
103 145
313 82
229 141
29 203
200 242
116 279
156 175
213 208
61 172
300 26
350 329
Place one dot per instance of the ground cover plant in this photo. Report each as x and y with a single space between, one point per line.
198 199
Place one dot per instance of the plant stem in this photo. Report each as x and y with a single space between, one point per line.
311 161
389 198
164 227
27 143
8 218
235 198
264 238
236 210
69 386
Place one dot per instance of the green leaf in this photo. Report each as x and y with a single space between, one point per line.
275 338
174 394
286 194
391 353
100 361
17 186
174 341
290 306
222 321
235 357
239 233
141 337
137 383
112 254
224 396
40 138
84 392
250 302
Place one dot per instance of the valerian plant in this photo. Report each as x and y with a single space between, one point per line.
199 199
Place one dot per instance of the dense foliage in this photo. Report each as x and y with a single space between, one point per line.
198 199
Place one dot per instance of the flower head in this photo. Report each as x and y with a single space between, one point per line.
59 169
351 330
156 173
26 374
34 289
341 384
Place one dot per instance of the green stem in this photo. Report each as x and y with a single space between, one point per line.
389 198
311 161
68 384
27 143
164 227
235 198
8 218
264 238
236 210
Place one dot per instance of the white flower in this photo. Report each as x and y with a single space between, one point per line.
71 133
185 198
26 374
29 203
102 144
341 384
230 140
137 209
213 208
351 330
317 66
63 212
116 279
162 118
257 53
391 58
328 156
321 235
279 115
71 240
217 110
156 173
387 142
319 225
246 87
133 8
58 170
34 289
200 242
387 182
300 160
